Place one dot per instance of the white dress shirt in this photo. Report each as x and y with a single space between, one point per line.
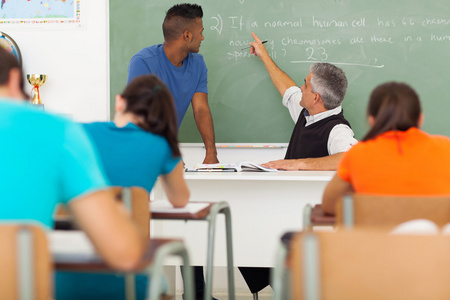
341 137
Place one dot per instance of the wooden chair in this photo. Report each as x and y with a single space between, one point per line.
26 263
312 217
368 211
367 264
137 201
390 211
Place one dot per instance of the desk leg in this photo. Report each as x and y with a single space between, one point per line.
307 211
130 286
156 270
231 290
280 275
221 207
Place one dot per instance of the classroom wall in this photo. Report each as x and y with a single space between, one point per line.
76 60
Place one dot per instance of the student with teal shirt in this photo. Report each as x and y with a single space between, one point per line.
46 160
140 145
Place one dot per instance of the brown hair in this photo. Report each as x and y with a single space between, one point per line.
149 99
7 63
394 106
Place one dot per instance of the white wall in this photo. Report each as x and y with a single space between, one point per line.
76 61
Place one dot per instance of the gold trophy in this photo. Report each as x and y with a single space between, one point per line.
36 80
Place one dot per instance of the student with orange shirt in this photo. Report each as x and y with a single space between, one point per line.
395 157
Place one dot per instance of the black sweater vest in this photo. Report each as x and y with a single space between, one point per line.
312 141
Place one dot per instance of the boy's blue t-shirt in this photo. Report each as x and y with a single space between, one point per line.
45 160
183 82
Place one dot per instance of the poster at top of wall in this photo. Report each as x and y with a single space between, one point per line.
40 13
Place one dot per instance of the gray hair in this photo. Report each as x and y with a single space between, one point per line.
329 82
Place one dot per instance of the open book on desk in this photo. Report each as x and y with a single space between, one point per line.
244 166
164 206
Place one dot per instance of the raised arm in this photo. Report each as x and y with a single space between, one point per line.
175 186
279 79
116 237
203 119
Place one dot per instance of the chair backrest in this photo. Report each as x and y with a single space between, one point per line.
25 262
363 264
137 201
390 211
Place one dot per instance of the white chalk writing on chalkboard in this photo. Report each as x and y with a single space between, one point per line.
315 49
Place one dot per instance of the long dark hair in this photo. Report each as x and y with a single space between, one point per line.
394 106
149 99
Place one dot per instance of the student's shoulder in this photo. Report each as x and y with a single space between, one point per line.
100 130
426 138
151 52
441 140
150 139
92 126
97 124
196 57
24 113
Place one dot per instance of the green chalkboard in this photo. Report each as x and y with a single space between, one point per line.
372 41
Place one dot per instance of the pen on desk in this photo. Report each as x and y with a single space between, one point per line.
263 42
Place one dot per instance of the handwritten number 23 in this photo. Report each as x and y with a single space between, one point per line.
319 54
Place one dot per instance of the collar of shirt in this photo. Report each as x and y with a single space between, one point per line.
311 119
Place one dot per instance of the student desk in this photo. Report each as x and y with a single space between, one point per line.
315 216
263 206
73 251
